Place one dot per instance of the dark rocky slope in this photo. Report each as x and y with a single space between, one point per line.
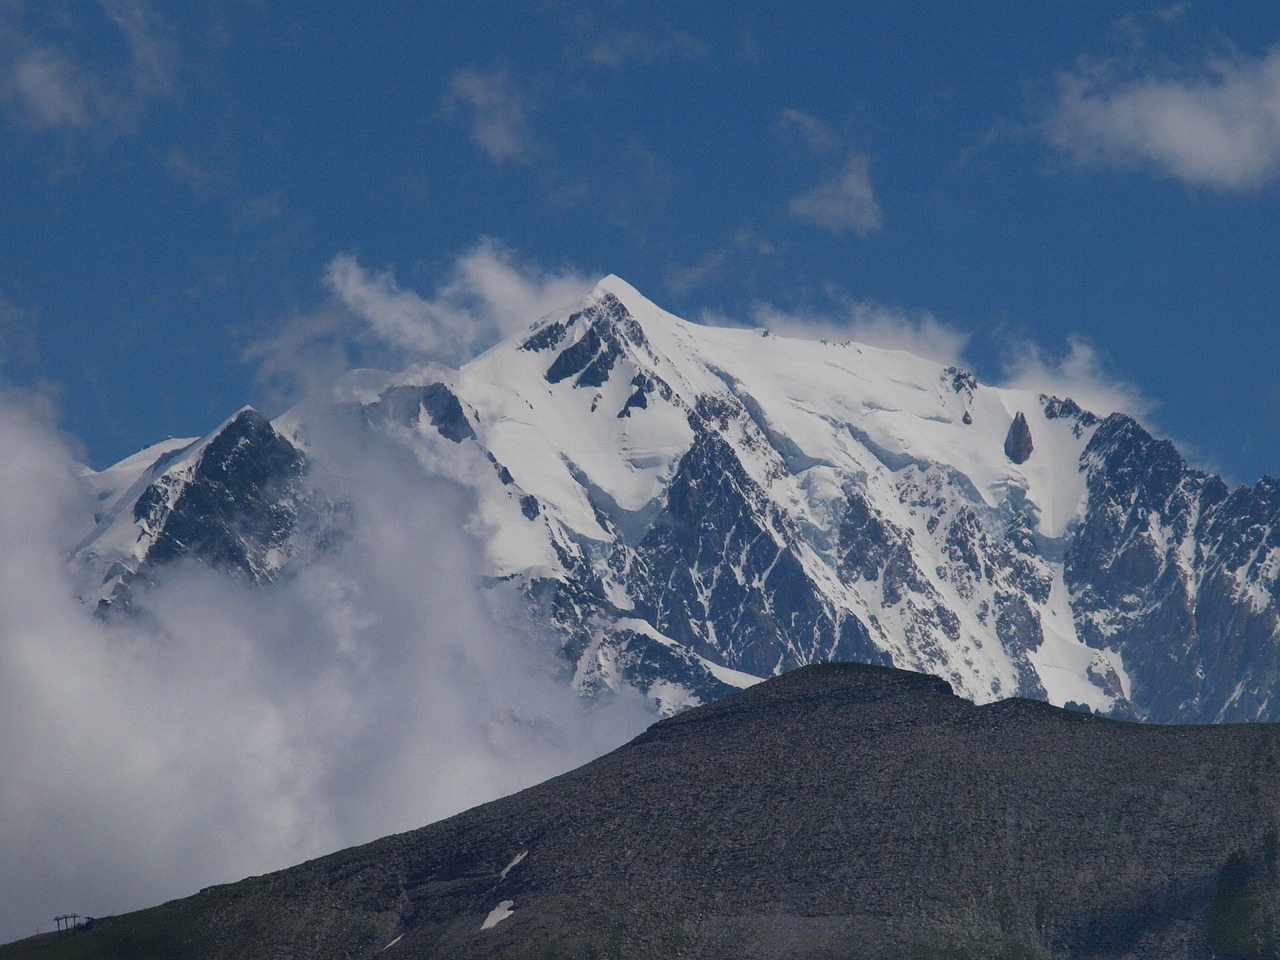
837 811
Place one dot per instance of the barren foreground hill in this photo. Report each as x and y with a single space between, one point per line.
836 811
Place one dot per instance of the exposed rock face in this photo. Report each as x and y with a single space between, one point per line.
839 811
1017 444
713 512
404 406
237 500
241 483
1179 572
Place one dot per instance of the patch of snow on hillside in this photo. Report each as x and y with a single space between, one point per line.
519 857
498 914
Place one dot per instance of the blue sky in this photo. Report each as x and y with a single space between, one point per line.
207 204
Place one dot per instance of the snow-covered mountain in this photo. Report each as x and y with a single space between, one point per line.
692 508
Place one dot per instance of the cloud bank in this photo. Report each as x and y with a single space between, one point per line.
1221 130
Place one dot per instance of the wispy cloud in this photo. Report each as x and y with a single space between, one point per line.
916 331
844 202
48 85
498 112
256 211
1220 129
1078 372
18 351
716 264
1076 369
817 135
151 53
188 170
613 48
51 91
371 319
487 294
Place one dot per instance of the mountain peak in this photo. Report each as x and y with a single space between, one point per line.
639 311
619 288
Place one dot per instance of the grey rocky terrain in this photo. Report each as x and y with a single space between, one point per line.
837 811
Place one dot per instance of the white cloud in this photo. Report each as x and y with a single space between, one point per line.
915 331
400 317
1222 130
843 202
1078 373
49 86
509 294
814 133
498 111
615 48
487 295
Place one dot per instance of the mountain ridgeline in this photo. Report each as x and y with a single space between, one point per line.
838 811
688 509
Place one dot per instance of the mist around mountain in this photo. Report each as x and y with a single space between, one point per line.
227 727
836 811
